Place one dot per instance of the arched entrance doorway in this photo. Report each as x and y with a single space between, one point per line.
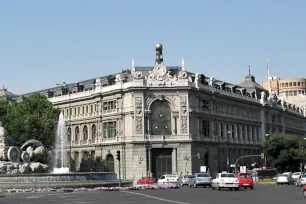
109 163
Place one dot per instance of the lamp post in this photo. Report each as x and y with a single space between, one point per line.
226 144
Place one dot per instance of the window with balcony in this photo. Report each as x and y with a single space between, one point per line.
85 133
205 127
93 132
109 106
69 134
77 133
109 129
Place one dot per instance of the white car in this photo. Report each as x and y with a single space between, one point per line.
169 178
225 180
296 175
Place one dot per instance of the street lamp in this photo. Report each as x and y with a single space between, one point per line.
226 144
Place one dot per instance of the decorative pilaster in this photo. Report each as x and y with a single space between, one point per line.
184 115
139 115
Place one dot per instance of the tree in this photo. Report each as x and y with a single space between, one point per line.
33 118
285 152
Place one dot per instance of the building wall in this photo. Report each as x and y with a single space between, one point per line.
204 118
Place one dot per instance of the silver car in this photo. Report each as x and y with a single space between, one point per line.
185 180
200 179
301 181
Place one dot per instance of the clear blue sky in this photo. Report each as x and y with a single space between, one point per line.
47 42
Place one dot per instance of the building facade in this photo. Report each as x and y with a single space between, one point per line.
161 118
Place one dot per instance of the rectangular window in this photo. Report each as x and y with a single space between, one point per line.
294 93
91 108
105 106
294 83
86 109
205 127
204 104
290 83
109 129
286 84
299 83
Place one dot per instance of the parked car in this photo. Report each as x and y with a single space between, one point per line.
146 180
301 180
225 180
245 180
200 179
284 179
296 175
304 191
185 180
170 178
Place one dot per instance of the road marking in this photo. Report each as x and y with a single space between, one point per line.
157 198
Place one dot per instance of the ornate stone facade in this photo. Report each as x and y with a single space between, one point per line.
166 113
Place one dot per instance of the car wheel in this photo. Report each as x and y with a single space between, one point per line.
209 186
304 193
189 185
277 183
213 188
245 188
252 187
237 189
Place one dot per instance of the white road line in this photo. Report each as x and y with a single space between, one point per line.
157 198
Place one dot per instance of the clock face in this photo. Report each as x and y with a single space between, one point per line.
160 70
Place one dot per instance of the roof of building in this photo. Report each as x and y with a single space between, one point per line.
4 93
250 84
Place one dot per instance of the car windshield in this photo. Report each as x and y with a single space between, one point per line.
187 176
171 176
283 175
245 176
203 175
228 175
304 175
297 173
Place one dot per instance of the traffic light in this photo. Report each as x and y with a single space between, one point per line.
118 155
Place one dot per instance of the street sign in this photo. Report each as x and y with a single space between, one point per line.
243 169
203 169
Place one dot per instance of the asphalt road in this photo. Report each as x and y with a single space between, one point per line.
262 194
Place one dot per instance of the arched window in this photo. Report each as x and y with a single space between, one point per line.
85 133
93 132
161 118
77 133
69 134
109 163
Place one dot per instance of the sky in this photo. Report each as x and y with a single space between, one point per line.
43 43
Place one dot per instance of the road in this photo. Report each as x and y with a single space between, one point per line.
262 194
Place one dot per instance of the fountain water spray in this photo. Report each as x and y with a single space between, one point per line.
60 144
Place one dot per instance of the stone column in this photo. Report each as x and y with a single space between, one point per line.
236 132
174 161
263 125
150 161
219 128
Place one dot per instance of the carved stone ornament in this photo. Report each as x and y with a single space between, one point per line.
211 81
138 102
184 124
272 98
182 74
139 125
160 70
160 77
137 75
13 154
98 83
118 78
25 156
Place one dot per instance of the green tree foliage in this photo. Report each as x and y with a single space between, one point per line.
285 152
33 118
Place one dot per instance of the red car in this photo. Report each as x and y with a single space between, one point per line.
146 180
245 180
304 191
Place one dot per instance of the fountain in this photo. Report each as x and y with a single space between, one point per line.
60 144
28 166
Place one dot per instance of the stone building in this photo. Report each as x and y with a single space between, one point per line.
161 118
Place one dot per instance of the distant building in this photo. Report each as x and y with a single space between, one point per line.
7 95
